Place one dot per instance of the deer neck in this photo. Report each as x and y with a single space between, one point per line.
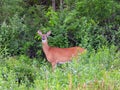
45 47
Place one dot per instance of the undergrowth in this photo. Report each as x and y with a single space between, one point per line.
95 70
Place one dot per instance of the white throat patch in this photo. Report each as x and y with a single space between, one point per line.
43 41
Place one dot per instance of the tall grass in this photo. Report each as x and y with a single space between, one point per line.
95 70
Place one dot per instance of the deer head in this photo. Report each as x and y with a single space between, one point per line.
44 36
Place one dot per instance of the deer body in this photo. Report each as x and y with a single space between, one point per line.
58 55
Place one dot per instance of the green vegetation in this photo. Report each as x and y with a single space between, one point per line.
92 24
93 71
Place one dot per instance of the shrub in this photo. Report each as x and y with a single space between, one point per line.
14 36
93 70
9 8
69 29
21 68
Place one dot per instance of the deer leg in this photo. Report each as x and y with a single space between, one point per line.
53 65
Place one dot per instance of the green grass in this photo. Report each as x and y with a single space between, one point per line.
92 71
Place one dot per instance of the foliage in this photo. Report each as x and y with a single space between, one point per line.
83 24
92 24
9 8
14 35
71 29
93 70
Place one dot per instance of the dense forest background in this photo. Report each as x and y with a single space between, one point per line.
92 24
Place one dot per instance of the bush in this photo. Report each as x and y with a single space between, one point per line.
9 8
21 68
68 29
14 36
93 70
78 25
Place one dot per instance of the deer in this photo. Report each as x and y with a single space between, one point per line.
56 55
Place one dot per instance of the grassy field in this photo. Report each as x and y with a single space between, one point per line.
95 70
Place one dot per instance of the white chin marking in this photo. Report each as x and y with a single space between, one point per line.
43 41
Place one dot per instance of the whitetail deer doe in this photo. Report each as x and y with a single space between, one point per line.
58 55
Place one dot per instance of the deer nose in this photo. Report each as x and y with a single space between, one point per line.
43 38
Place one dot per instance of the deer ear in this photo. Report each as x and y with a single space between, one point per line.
48 33
39 32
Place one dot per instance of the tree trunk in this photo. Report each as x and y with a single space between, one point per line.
61 4
53 5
